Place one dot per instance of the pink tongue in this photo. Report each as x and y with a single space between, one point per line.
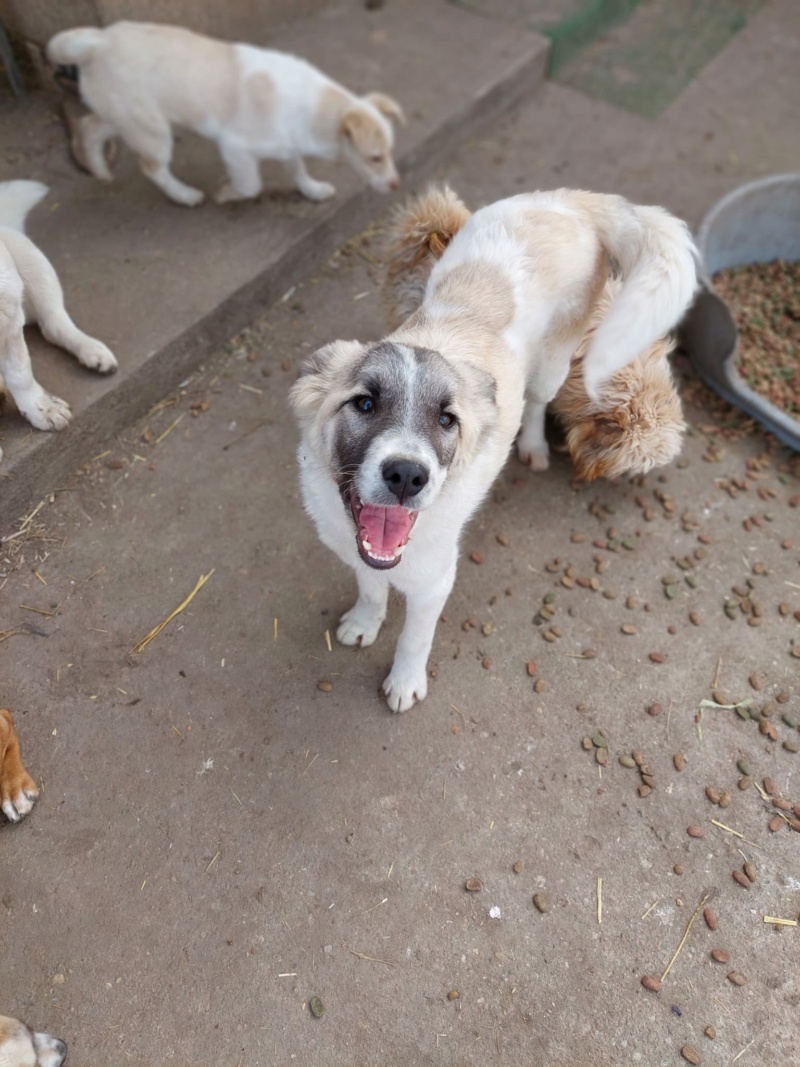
385 528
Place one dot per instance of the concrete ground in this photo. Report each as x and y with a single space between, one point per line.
219 839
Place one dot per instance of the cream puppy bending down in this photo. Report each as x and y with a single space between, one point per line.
30 291
141 79
402 439
21 1047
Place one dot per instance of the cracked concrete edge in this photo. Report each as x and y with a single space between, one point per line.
52 458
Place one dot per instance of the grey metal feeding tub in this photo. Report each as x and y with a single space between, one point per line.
755 223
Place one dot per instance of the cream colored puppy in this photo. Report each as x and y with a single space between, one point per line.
21 1047
401 440
30 291
141 79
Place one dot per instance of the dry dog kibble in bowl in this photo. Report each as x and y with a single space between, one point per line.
764 299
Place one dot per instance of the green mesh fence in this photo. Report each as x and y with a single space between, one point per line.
636 54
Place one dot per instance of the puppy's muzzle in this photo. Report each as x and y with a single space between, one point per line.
404 478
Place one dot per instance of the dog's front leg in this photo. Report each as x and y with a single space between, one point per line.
360 625
408 678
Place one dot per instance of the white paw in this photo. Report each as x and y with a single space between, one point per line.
96 356
318 190
538 459
17 808
404 688
43 410
359 626
187 196
227 194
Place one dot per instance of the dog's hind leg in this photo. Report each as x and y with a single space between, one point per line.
44 299
151 140
244 171
360 625
89 135
549 366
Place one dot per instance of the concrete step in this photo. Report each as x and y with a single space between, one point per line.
164 286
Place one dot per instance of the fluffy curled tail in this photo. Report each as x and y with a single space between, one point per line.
16 200
657 262
636 422
74 47
419 233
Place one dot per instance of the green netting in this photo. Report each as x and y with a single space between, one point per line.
645 63
569 24
637 54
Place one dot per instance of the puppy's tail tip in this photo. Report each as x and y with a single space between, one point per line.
17 198
74 47
426 223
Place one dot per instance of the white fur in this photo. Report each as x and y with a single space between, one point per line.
19 1047
141 79
512 298
30 291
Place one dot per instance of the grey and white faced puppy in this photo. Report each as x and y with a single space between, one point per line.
389 421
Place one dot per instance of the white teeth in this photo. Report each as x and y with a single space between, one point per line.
366 544
399 550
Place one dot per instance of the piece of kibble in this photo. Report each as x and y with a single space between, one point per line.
628 628
601 756
656 657
654 709
326 687
769 787
532 668
473 885
627 761
502 539
745 782
651 983
751 871
725 799
710 1032
586 744
691 1055
541 902
720 955
695 618
774 824
695 831
486 663
679 761
737 978
539 685
317 1007
741 879
713 794
477 557
678 868
710 916
453 994
644 790
518 867
744 766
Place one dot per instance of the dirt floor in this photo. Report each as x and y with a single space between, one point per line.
220 839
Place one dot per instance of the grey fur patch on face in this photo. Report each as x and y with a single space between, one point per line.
401 405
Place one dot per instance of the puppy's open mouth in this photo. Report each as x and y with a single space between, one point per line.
381 532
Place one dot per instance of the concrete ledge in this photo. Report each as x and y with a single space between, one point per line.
163 285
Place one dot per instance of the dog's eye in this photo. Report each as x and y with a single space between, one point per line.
446 420
365 404
377 159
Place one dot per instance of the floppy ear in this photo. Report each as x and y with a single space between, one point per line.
356 126
477 410
387 106
320 373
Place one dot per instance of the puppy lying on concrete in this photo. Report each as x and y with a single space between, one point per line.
403 438
140 79
30 291
636 422
20 1047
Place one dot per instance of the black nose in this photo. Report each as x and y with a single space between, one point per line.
404 477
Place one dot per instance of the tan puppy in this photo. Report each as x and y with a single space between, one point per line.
635 424
21 1047
18 791
140 79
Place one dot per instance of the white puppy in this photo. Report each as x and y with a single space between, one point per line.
140 79
409 434
30 291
